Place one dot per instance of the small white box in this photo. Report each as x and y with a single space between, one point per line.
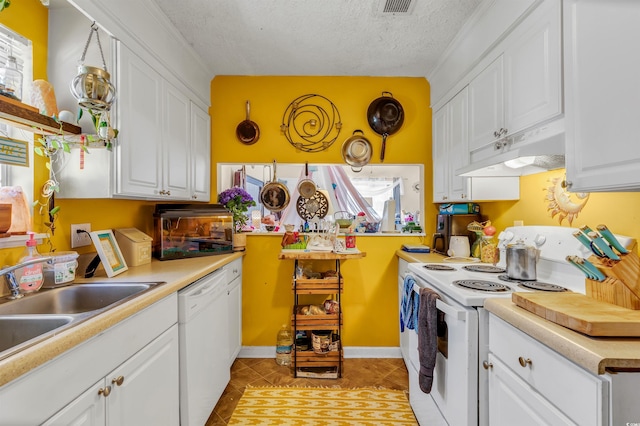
135 246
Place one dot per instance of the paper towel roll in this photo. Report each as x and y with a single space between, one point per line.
389 216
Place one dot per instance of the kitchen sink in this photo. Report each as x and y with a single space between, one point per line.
38 316
18 330
74 299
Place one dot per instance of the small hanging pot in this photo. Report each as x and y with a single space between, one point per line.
385 116
247 131
357 151
307 187
274 195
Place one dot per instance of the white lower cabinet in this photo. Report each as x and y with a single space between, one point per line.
234 304
143 349
143 390
530 383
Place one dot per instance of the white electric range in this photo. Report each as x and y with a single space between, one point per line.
460 383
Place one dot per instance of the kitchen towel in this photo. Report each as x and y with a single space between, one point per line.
427 337
410 302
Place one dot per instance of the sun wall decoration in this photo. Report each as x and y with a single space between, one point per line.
562 203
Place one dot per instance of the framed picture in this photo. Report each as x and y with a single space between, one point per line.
109 252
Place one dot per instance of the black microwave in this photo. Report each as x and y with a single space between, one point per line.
191 230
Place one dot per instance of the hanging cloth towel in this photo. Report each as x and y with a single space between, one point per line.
409 307
427 337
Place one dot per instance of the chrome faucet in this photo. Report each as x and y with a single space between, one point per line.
10 276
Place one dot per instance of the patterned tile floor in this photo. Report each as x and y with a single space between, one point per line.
389 373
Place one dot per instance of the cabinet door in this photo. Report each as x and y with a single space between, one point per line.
486 105
87 410
149 391
201 154
234 302
439 157
532 69
512 401
601 94
139 118
458 145
177 144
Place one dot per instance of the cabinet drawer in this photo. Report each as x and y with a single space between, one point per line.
577 393
234 269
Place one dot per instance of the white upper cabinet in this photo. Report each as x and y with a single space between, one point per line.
201 154
602 66
522 86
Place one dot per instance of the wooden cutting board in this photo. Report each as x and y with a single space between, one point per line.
581 313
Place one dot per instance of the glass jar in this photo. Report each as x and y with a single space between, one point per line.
11 79
489 252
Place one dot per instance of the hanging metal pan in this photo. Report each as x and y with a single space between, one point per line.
385 116
307 187
357 151
274 195
247 131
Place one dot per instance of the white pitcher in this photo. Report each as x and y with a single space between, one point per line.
459 246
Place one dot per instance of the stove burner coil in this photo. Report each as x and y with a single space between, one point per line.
438 267
483 268
482 285
533 285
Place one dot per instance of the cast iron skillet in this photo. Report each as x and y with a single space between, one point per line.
385 116
274 195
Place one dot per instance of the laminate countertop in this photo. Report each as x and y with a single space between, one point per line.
595 354
176 273
420 257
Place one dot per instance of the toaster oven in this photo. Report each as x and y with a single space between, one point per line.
191 230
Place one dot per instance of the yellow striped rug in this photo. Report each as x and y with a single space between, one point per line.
322 407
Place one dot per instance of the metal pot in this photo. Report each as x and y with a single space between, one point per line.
306 187
274 195
247 131
385 116
357 151
521 261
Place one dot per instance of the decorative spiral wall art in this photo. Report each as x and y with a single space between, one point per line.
311 123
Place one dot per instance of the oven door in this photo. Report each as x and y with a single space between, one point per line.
455 377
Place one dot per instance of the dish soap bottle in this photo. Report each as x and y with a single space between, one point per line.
30 278
283 346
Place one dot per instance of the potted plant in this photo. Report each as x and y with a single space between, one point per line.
237 201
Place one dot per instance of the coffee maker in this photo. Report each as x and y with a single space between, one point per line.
448 225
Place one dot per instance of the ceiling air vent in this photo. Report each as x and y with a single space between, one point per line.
402 7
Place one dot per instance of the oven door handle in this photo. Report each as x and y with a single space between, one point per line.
447 309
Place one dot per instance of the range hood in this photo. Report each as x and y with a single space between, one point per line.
533 151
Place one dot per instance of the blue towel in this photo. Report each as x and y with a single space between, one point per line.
410 306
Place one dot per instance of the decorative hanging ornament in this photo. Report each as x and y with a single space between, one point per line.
311 123
92 86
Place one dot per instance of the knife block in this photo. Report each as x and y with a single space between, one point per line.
622 285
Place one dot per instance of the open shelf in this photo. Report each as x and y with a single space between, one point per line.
26 117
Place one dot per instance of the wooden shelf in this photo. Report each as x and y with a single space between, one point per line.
319 255
17 114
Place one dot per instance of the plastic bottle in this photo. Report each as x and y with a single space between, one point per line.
284 345
30 278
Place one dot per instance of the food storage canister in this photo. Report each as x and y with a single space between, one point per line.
61 270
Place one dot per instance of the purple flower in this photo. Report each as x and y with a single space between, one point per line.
237 201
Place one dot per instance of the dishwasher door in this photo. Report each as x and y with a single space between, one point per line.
204 368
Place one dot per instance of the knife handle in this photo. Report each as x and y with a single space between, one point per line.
603 246
611 239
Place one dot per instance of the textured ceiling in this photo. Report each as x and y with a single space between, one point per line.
318 37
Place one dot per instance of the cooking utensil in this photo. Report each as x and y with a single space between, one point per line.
599 276
357 151
385 116
603 246
521 261
247 131
611 239
573 260
274 195
316 205
306 187
586 241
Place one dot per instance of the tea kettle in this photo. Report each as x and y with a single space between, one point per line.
521 261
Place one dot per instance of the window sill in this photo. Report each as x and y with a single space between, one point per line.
20 240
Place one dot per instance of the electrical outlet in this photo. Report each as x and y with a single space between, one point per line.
80 239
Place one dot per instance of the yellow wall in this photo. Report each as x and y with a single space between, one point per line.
620 211
369 299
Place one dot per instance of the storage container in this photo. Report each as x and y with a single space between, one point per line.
135 246
62 269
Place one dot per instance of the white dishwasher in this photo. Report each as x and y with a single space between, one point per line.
204 352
